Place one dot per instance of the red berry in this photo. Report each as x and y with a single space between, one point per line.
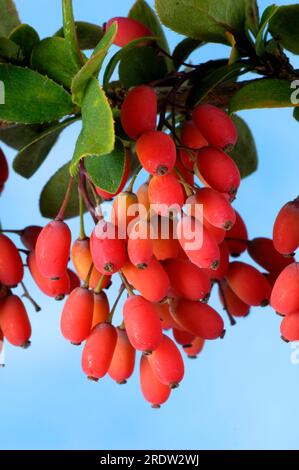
123 361
140 245
143 199
128 30
237 237
30 235
127 168
82 260
221 271
152 282
11 264
101 308
187 280
218 170
195 348
98 351
235 306
108 252
218 233
198 243
156 152
165 243
53 249
139 111
142 323
263 252
167 363
192 138
167 320
74 280
216 209
215 125
125 210
248 284
184 338
14 321
52 288
165 192
199 319
285 293
290 327
286 228
3 168
153 391
76 318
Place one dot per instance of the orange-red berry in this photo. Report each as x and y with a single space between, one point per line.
98 351
290 327
11 264
108 252
167 363
235 306
237 237
286 228
139 111
76 318
123 361
30 235
195 348
193 140
285 293
263 252
128 30
153 391
140 245
165 192
14 321
101 308
156 152
215 208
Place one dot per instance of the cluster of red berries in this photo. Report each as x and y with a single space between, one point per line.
168 279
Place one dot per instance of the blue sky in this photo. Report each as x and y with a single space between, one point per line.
241 393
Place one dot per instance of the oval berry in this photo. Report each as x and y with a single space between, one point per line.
128 30
82 260
3 168
14 321
263 252
108 252
237 237
74 280
125 210
285 293
223 267
290 327
11 264
231 302
153 391
193 140
98 351
156 152
101 308
30 235
184 338
167 363
165 242
140 245
123 361
195 348
76 318
166 193
286 228
139 111
215 208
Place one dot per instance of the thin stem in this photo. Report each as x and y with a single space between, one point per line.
82 234
15 232
120 293
133 180
22 250
230 317
100 284
61 213
28 296
86 283
126 284
83 190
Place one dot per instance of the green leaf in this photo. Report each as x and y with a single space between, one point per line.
284 26
264 93
141 65
26 37
262 34
53 194
107 171
244 153
296 114
50 57
18 136
10 51
206 20
93 65
70 35
184 49
9 18
97 136
32 98
30 157
252 16
88 34
116 58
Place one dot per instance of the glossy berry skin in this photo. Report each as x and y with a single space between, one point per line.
218 233
98 351
198 243
195 348
235 237
76 318
199 319
139 111
56 289
187 280
142 323
11 264
123 360
3 168
127 168
290 327
156 152
143 198
140 248
167 363
53 249
263 252
128 30
215 125
285 293
82 260
14 321
30 235
125 210
101 308
152 282
286 228
74 280
184 338
192 138
215 208
218 170
166 192
167 320
165 243
222 269
108 252
153 391
248 284
235 306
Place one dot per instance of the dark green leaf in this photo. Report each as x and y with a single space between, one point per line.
26 37
18 136
284 26
252 16
88 34
30 157
9 18
50 57
107 171
32 98
262 34
97 136
70 35
184 49
141 65
296 114
244 153
93 65
53 194
264 93
10 51
206 20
